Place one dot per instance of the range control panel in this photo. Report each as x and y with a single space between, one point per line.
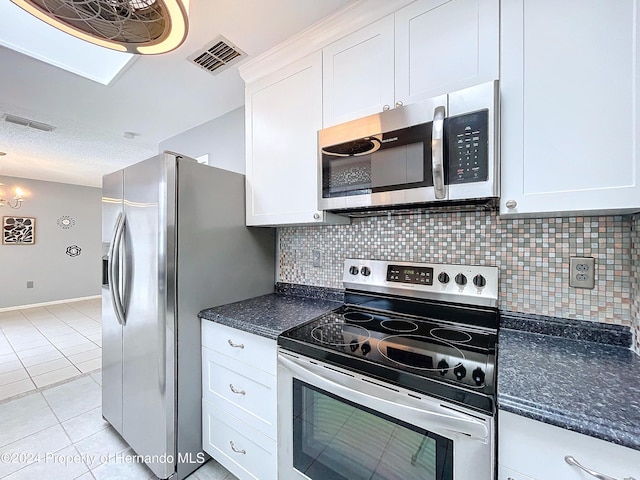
468 284
409 274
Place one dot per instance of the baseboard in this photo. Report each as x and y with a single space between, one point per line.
44 304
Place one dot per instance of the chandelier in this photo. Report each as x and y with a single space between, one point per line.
17 200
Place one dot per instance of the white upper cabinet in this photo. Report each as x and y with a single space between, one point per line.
358 73
283 116
570 83
443 46
425 49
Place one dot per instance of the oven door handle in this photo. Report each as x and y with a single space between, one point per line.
438 416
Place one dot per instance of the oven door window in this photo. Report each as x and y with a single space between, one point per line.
337 439
391 161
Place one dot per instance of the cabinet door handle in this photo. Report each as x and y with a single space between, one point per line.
399 104
233 447
437 145
386 108
511 204
235 345
600 476
235 390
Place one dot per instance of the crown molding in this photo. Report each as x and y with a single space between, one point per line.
343 22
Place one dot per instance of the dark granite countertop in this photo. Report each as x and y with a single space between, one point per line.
269 315
584 386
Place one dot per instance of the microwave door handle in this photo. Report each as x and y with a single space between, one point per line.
437 146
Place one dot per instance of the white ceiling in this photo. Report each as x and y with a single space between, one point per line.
156 97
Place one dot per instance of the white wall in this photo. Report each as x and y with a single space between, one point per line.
221 138
55 275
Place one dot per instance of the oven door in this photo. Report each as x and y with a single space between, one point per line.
335 424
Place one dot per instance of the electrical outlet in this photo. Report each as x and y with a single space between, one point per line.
30 284
582 272
317 258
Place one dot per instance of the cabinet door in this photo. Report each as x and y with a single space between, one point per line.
357 73
445 45
283 116
570 85
538 450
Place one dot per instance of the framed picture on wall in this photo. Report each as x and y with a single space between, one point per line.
18 230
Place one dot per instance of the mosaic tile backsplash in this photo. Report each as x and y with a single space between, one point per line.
533 256
635 280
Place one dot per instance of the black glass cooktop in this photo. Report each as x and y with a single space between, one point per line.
434 352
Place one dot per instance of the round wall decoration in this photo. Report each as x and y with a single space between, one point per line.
73 250
66 222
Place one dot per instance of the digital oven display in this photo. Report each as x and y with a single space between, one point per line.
408 274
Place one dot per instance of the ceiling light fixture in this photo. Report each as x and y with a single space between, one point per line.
143 27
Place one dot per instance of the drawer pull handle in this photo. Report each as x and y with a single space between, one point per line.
233 447
235 345
234 390
600 476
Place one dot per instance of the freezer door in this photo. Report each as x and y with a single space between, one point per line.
112 210
149 334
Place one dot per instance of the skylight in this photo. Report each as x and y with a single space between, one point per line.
24 33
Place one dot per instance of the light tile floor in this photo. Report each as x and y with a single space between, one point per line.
51 422
58 432
42 346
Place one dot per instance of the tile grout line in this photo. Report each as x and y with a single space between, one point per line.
72 363
19 359
71 326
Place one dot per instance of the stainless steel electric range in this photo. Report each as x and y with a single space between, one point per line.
399 382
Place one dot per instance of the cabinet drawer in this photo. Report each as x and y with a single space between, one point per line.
505 473
254 350
538 450
241 450
244 391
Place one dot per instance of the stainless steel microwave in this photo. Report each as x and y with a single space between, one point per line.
444 149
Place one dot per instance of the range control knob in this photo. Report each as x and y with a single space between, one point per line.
353 270
354 345
460 372
478 376
366 348
443 366
366 271
479 281
461 279
443 277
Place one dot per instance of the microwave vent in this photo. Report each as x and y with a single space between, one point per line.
217 55
481 205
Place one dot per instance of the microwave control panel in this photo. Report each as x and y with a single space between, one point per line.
467 147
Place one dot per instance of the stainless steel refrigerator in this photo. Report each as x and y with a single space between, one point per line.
175 242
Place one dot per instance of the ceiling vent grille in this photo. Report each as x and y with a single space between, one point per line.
25 122
217 56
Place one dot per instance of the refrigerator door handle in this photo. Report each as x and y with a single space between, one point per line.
114 269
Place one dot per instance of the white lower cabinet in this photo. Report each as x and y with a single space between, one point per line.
532 450
239 401
243 451
505 473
